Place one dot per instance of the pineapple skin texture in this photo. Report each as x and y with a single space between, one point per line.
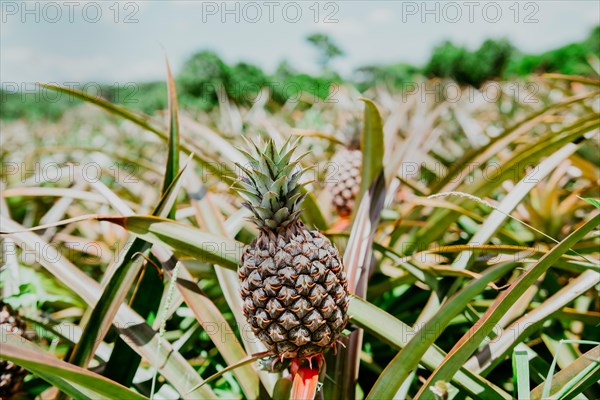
294 291
11 375
345 181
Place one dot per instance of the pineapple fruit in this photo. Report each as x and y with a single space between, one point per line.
292 280
344 182
11 375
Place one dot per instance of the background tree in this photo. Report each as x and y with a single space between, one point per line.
201 76
326 48
470 67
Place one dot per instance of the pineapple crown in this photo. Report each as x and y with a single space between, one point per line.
270 184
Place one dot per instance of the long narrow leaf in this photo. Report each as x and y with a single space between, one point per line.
205 311
227 252
491 354
117 287
213 322
372 147
544 146
397 334
572 377
471 340
521 374
130 325
359 252
208 215
71 379
410 356
145 301
172 165
182 238
500 213
142 121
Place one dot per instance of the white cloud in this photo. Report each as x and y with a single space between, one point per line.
381 16
348 27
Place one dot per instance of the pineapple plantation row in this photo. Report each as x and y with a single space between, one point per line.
410 246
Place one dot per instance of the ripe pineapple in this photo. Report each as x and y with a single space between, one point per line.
11 375
344 182
293 284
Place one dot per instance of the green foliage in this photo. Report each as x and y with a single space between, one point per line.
593 41
33 105
205 73
489 60
292 87
570 59
391 76
497 58
42 104
284 70
147 97
244 83
470 68
445 60
201 76
326 48
595 202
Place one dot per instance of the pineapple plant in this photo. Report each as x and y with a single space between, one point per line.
293 283
11 375
344 182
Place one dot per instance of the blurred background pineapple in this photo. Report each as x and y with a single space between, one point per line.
344 180
11 375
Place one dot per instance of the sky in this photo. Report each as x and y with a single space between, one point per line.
108 41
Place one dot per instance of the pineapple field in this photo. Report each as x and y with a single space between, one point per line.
384 248
431 240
